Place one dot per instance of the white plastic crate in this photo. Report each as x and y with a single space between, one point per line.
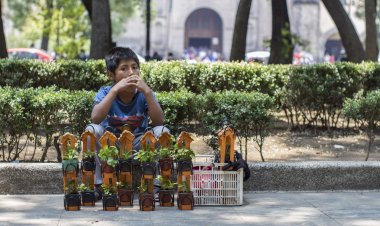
214 186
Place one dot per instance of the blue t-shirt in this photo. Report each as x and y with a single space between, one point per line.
135 114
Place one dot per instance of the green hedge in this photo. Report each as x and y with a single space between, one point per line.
32 114
161 76
65 74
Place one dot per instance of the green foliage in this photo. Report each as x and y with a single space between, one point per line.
122 11
108 190
109 155
316 93
123 185
163 153
88 154
364 109
178 107
165 183
127 154
184 154
145 155
67 24
183 187
249 113
82 187
143 187
240 94
70 154
71 187
65 74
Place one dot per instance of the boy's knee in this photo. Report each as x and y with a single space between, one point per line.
96 129
158 130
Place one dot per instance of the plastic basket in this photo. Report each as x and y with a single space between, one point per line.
212 186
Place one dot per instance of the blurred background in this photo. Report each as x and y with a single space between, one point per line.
277 31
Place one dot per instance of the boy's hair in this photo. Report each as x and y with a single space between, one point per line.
117 54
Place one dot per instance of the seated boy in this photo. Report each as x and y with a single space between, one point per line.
128 101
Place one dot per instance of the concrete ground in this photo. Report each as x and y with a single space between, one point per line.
260 208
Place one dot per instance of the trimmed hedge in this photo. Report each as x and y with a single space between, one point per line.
24 113
65 74
311 95
30 114
160 76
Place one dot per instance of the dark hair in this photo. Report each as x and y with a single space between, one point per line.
117 54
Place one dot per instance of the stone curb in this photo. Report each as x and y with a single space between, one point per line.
46 178
314 176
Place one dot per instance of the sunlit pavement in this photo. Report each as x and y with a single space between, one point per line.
260 208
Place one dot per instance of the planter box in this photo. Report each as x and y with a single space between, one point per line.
185 201
184 166
88 164
110 202
166 167
72 202
148 170
88 198
125 165
166 197
146 202
107 168
125 197
69 166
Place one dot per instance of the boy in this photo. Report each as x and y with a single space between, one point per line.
126 104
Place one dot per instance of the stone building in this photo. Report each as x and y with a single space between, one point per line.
179 24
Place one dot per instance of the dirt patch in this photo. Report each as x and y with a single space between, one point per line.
287 146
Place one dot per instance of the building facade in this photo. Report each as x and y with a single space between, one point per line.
178 25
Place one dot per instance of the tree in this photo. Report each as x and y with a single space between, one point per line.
365 110
3 45
101 36
121 10
47 24
147 41
371 47
88 5
281 45
240 30
350 39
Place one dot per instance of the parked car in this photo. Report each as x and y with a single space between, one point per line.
29 53
257 56
263 57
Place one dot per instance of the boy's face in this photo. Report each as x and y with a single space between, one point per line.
125 69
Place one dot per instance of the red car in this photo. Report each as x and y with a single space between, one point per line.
29 53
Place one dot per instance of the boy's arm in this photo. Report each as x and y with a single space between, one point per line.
100 110
154 109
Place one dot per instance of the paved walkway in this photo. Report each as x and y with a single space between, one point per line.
260 208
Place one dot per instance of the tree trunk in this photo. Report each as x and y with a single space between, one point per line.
350 39
88 5
47 25
147 40
371 137
3 44
101 37
371 47
281 46
240 31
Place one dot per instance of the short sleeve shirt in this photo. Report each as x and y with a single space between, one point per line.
134 114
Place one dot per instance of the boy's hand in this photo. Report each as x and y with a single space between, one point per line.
131 83
140 84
